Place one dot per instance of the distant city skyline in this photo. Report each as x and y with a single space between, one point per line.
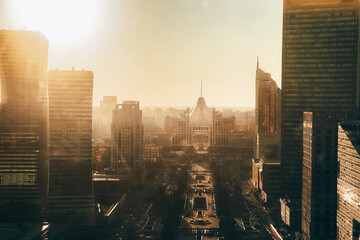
157 52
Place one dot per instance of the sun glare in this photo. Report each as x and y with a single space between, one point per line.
63 22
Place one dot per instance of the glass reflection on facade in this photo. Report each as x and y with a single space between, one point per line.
320 138
348 181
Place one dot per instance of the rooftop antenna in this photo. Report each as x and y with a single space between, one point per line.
257 62
201 88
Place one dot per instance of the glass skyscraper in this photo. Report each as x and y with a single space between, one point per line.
319 73
320 165
348 181
23 118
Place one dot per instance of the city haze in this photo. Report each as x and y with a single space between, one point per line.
157 52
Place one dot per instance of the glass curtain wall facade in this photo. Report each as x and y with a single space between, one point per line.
319 74
23 118
320 167
348 181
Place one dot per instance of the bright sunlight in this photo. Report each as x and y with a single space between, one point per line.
63 22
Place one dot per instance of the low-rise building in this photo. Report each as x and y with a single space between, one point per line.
269 180
255 169
266 179
151 153
290 213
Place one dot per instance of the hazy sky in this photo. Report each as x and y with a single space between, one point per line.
157 51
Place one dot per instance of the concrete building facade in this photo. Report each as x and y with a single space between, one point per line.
127 136
70 114
223 128
177 127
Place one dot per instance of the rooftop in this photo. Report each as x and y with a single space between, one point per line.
352 130
201 115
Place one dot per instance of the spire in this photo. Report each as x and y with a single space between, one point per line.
201 88
257 68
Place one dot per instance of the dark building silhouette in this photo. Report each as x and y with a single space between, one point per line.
320 151
70 111
319 73
268 103
23 118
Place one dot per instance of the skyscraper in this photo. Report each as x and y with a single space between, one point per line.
348 181
320 151
267 116
319 73
70 111
127 136
23 117
267 132
268 103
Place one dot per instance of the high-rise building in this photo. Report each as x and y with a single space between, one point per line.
127 136
266 165
348 181
267 116
23 117
319 73
320 139
268 103
107 106
70 111
319 176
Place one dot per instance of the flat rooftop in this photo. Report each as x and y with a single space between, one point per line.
203 212
200 203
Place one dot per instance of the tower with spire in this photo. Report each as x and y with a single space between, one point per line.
200 124
267 131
